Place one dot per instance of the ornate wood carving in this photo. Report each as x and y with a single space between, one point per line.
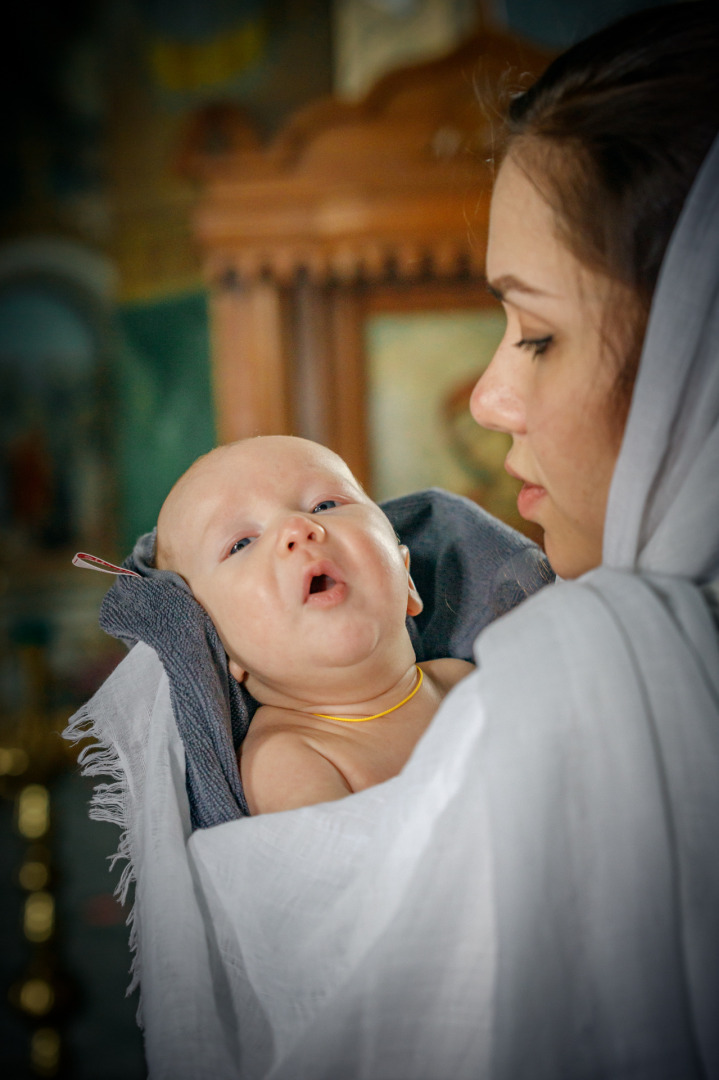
390 193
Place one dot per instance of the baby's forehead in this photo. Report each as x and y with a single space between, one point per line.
291 457
244 470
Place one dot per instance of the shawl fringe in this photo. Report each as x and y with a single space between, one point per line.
109 803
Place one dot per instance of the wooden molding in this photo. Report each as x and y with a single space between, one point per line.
396 184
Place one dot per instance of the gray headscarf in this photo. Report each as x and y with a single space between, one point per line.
663 510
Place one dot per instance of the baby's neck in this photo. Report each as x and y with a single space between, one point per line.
382 712
379 695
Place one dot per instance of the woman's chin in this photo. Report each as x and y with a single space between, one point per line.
570 557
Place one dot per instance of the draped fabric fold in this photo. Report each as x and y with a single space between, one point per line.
536 895
663 511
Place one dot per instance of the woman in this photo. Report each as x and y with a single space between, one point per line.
574 928
537 894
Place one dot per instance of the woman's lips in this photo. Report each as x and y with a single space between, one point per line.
528 498
529 495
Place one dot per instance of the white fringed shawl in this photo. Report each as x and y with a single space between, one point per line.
537 894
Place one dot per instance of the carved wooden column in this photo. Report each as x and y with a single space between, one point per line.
252 390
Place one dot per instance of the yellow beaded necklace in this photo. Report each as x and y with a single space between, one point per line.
362 719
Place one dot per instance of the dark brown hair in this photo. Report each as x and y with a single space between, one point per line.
630 113
614 132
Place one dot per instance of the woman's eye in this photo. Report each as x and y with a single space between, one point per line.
240 544
537 346
326 504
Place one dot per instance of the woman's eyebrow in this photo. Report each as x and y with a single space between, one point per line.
500 286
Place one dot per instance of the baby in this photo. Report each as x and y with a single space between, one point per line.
304 579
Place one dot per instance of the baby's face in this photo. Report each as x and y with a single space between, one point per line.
299 570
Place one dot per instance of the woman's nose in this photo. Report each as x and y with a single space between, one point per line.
497 401
299 529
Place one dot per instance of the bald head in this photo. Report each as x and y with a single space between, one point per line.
217 481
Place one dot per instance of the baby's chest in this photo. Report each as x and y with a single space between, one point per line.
367 757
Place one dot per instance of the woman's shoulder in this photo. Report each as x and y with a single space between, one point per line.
572 633
586 599
555 638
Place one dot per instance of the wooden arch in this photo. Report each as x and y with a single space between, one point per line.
353 207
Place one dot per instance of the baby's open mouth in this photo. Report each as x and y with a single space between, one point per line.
321 583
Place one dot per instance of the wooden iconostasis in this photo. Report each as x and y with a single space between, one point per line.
345 267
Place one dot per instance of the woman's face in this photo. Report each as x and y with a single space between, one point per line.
551 381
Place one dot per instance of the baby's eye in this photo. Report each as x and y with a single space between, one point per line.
326 504
240 544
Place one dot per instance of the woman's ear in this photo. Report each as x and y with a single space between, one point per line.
414 600
237 671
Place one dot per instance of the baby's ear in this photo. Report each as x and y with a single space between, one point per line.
237 671
414 600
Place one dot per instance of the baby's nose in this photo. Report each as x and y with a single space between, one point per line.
300 529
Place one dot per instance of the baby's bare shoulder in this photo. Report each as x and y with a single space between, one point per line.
273 731
447 671
270 722
281 769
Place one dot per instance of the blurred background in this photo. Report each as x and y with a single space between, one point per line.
217 218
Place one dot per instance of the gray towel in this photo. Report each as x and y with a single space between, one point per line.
469 568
